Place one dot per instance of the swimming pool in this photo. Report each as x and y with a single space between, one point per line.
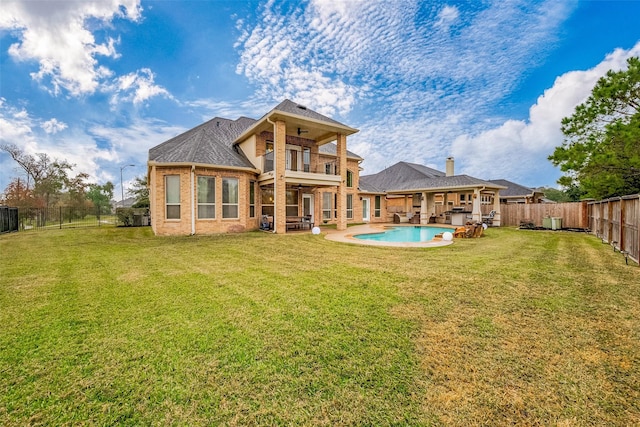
413 234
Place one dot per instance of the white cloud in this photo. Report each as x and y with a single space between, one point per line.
518 147
136 87
57 36
98 151
446 17
53 126
393 71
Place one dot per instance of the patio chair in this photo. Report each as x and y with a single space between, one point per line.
488 219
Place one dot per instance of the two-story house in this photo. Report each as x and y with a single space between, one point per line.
290 168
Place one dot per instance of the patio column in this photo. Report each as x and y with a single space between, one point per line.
424 209
341 154
279 183
431 204
496 207
476 212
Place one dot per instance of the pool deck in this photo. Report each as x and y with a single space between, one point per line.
346 236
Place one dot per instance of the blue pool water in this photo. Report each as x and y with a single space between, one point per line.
405 234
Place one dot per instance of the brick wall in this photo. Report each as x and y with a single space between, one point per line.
163 226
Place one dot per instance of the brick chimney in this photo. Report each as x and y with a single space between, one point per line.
449 167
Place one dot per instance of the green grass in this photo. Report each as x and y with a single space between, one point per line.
116 326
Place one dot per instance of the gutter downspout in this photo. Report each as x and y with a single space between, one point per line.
275 175
193 208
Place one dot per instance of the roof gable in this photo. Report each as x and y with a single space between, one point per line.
290 107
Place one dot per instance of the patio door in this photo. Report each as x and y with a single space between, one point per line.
366 209
307 205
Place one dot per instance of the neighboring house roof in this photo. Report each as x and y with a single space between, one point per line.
397 175
208 143
513 189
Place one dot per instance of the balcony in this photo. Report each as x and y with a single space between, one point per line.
298 170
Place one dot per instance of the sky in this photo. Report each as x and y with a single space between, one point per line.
98 83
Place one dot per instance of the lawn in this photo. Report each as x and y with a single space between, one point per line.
116 326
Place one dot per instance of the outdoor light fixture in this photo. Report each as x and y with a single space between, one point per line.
301 131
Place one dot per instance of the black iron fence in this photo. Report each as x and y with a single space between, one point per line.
8 219
63 217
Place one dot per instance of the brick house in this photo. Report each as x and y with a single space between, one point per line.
290 168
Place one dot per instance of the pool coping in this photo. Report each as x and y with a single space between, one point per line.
346 236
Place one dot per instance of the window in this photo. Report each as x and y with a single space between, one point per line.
462 199
172 196
267 201
335 205
292 202
252 199
326 206
376 209
291 159
229 198
349 206
349 179
206 197
329 169
306 159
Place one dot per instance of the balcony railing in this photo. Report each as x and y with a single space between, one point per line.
294 163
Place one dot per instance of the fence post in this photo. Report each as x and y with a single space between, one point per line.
622 218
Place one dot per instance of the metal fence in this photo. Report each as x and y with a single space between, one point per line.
8 219
63 217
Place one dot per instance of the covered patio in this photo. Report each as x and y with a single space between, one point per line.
450 200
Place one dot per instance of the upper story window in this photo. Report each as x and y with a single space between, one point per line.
349 179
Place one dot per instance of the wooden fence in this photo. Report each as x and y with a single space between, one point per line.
617 221
574 215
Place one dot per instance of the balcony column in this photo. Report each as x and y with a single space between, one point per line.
341 155
279 183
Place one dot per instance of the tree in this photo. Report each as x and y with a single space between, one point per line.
140 191
18 194
49 176
601 150
101 196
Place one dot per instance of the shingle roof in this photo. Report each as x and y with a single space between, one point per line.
213 142
208 143
288 106
397 175
513 189
332 149
441 182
